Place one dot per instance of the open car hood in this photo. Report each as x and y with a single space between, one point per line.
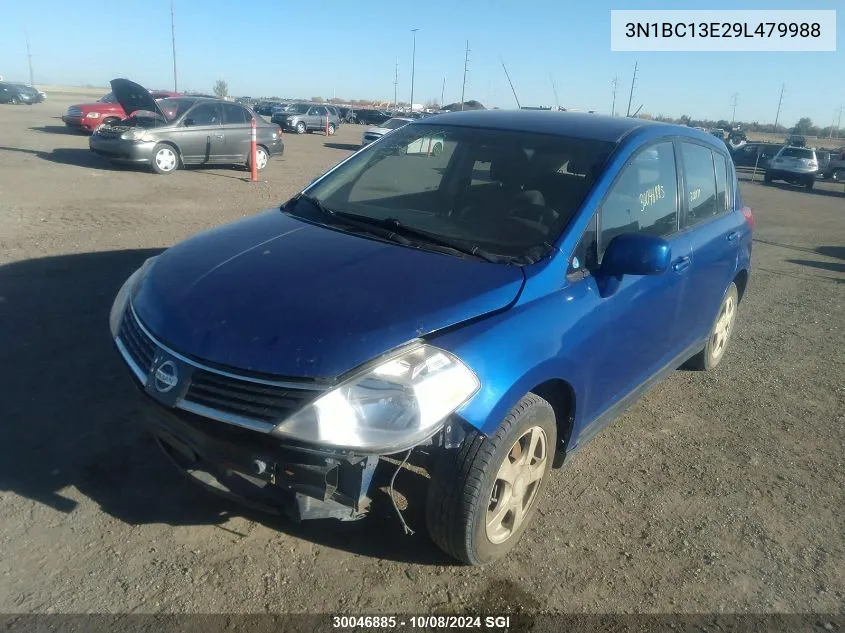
133 97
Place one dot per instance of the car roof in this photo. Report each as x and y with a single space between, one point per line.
573 124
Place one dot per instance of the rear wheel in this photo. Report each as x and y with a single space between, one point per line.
767 179
838 175
14 100
720 333
165 159
483 495
330 129
261 159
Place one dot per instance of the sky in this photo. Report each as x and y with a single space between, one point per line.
350 50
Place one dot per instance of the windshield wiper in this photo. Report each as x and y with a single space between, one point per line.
350 219
394 230
403 230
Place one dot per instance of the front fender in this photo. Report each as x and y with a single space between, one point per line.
514 351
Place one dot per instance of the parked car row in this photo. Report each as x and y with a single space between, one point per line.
168 133
792 162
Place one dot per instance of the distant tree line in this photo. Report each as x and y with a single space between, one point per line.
804 126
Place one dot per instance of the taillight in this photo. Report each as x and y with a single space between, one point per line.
749 216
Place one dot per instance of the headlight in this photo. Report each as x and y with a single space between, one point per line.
275 136
389 407
92 115
118 308
133 135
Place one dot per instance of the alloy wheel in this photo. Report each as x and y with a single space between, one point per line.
516 484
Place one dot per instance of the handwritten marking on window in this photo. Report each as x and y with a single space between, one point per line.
651 196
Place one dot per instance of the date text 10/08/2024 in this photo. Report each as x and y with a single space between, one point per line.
364 622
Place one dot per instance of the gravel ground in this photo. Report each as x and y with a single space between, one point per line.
718 492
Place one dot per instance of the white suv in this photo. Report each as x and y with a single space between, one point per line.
795 165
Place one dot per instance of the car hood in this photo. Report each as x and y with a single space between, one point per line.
277 295
133 97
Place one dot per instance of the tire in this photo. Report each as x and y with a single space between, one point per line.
767 179
838 175
301 128
714 351
165 159
437 149
262 157
14 100
809 184
466 487
331 129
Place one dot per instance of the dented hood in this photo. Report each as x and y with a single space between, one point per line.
276 295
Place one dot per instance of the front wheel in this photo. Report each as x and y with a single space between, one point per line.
300 128
483 495
720 333
809 184
165 159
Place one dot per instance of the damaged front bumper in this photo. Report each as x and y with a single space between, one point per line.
259 471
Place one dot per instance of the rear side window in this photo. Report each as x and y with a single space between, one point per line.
205 114
700 193
234 114
644 198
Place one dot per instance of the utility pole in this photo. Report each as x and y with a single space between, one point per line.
443 92
29 58
554 89
834 125
395 84
173 43
631 95
780 102
613 107
733 103
511 83
413 63
464 85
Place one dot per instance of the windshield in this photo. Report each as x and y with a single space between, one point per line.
508 193
392 124
109 98
796 152
299 108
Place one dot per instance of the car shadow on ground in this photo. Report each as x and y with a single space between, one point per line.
76 156
347 147
836 267
69 418
59 129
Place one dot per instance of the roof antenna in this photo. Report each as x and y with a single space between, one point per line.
510 82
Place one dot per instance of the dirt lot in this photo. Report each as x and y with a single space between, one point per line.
716 493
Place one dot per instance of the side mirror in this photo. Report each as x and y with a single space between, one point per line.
636 254
188 122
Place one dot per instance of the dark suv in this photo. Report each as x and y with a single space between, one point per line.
755 154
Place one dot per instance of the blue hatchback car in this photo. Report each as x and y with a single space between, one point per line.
488 307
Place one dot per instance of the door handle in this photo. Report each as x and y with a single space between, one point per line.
733 235
681 263
218 136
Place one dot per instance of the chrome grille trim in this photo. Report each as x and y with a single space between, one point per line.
234 393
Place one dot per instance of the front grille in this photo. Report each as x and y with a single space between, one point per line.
74 112
256 401
140 347
248 401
